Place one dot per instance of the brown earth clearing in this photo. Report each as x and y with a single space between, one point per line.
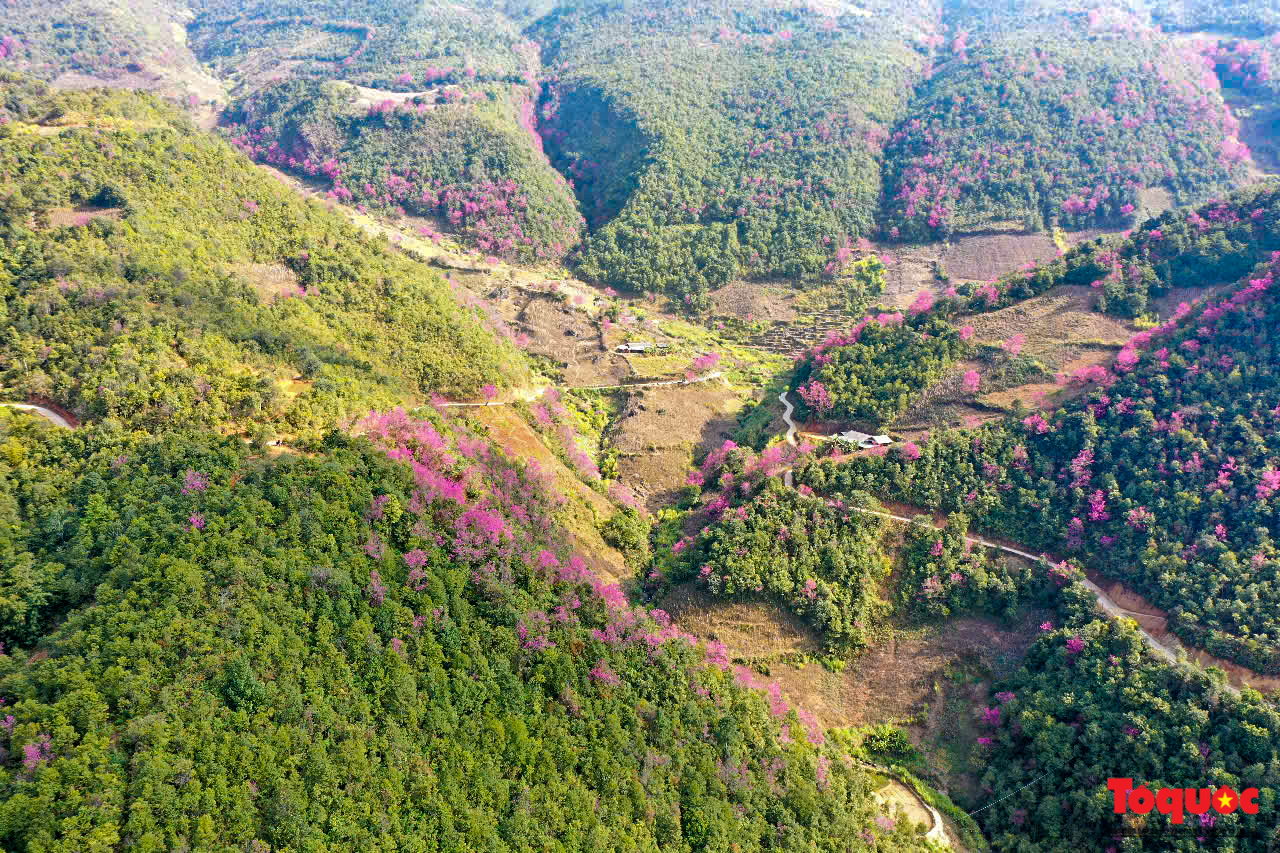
82 214
1055 324
982 257
929 680
755 301
269 281
660 429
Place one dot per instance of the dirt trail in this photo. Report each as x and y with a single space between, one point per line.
787 477
48 414
529 396
1151 621
900 793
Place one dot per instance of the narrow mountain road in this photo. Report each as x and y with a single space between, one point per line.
787 479
48 414
938 831
1108 605
786 418
1104 601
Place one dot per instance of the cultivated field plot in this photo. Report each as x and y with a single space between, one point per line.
660 430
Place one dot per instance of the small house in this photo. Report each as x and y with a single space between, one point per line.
864 440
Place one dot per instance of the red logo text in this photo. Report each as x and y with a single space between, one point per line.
1176 802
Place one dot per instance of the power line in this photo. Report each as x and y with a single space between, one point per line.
1007 796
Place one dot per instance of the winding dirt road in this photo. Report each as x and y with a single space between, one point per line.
1108 605
1104 601
787 478
786 418
48 414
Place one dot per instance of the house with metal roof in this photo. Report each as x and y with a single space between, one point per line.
864 440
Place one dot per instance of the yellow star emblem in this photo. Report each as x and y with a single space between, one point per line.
1225 800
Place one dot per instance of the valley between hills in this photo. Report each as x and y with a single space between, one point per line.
453 427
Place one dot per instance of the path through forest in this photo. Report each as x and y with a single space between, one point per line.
48 414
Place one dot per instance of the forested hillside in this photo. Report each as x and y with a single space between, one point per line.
385 645
1164 475
1089 702
370 42
140 44
871 373
356 542
694 146
725 140
1037 127
385 642
153 275
462 161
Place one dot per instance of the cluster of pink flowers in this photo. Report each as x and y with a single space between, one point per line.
1269 484
497 216
922 304
37 753
193 482
603 674
706 361
816 397
1036 424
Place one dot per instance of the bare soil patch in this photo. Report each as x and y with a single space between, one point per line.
982 257
1055 324
367 97
894 679
1155 200
1167 304
657 477
755 301
145 80
749 629
1036 395
896 795
905 276
269 281
660 430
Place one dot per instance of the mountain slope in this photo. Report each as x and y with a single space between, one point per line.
153 275
1026 128
728 140
360 652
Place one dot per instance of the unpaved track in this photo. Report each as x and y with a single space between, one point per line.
1104 601
48 414
1108 605
787 478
